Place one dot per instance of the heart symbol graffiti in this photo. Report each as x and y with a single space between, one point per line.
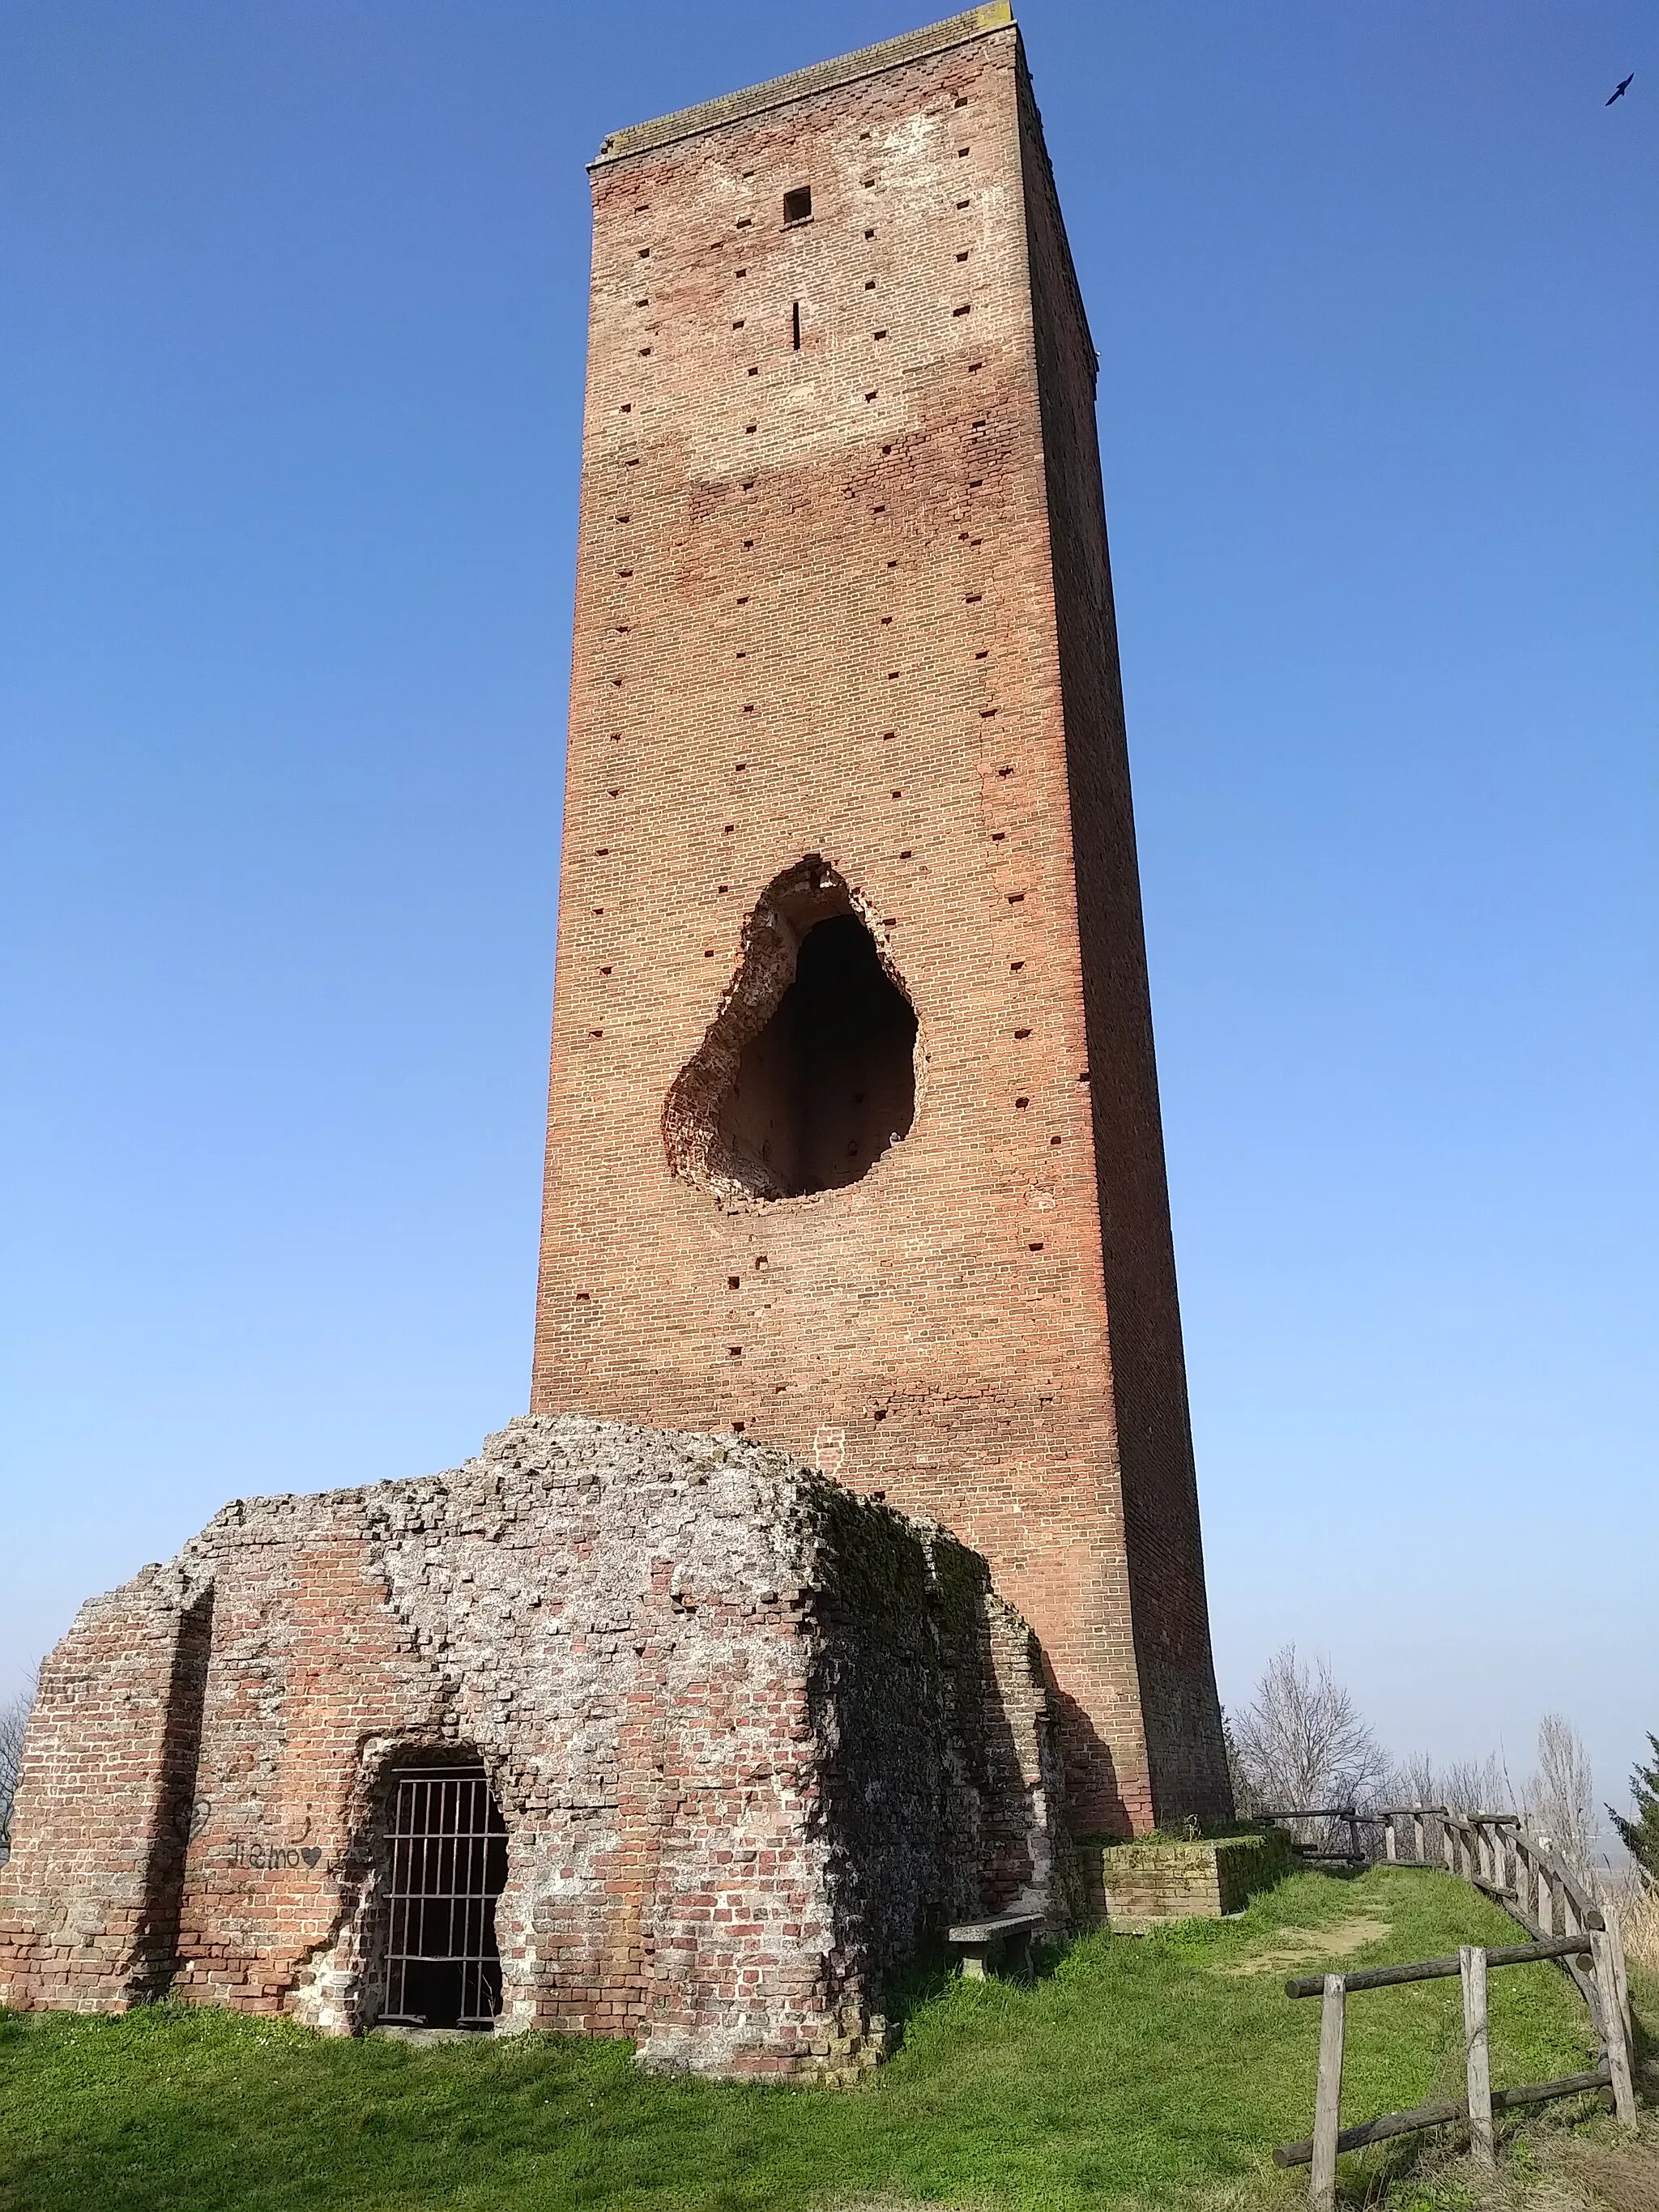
311 1854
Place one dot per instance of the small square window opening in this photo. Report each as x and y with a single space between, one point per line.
798 204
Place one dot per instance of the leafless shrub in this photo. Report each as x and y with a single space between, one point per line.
14 1720
1466 1785
1476 1785
1303 1741
1633 1900
1413 1781
1243 1794
1559 1799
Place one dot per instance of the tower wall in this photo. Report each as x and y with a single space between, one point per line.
843 604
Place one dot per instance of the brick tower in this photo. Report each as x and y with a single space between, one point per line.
853 1141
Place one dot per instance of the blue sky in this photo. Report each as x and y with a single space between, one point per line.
294 298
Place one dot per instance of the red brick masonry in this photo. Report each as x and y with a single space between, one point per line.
844 631
853 1155
756 1742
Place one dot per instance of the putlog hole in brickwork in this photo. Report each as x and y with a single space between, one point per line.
807 1073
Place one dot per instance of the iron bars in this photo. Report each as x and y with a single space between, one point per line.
447 1850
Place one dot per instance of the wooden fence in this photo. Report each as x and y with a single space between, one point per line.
1497 1855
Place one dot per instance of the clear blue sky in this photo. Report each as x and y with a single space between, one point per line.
294 297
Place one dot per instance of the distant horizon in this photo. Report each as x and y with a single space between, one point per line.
299 297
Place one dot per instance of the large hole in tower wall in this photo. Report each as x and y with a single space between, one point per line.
830 1081
807 1074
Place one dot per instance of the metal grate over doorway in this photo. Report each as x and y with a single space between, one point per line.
449 1854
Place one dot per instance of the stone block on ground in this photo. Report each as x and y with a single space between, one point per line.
1137 1886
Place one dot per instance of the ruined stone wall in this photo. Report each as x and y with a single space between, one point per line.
755 1742
826 585
101 1817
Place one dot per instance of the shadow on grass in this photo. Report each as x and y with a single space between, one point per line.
933 1976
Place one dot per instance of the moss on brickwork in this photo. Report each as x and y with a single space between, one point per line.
942 1791
1162 1878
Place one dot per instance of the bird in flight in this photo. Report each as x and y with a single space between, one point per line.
1618 91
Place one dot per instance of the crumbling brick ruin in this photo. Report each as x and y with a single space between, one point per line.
754 1743
853 1142
853 1155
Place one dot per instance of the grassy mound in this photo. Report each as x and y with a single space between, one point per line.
1153 2068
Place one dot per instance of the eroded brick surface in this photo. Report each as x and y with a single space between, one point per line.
756 1742
843 595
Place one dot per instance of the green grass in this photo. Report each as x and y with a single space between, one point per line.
1138 2069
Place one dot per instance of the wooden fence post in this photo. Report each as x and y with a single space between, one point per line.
1419 1841
1328 2098
1390 1842
1613 2027
1616 1948
1472 1965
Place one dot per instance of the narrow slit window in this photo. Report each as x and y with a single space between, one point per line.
798 204
794 326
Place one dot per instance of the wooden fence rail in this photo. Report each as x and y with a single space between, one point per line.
1356 1854
1497 1856
1493 1852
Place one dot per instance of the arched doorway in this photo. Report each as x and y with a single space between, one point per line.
445 1857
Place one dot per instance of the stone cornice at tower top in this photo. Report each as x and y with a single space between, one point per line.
801 84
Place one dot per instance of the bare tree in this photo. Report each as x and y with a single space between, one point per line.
1239 1781
1466 1785
1413 1781
1303 1741
1559 1799
1476 1785
14 1720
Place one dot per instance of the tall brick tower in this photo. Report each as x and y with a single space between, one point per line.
853 1142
